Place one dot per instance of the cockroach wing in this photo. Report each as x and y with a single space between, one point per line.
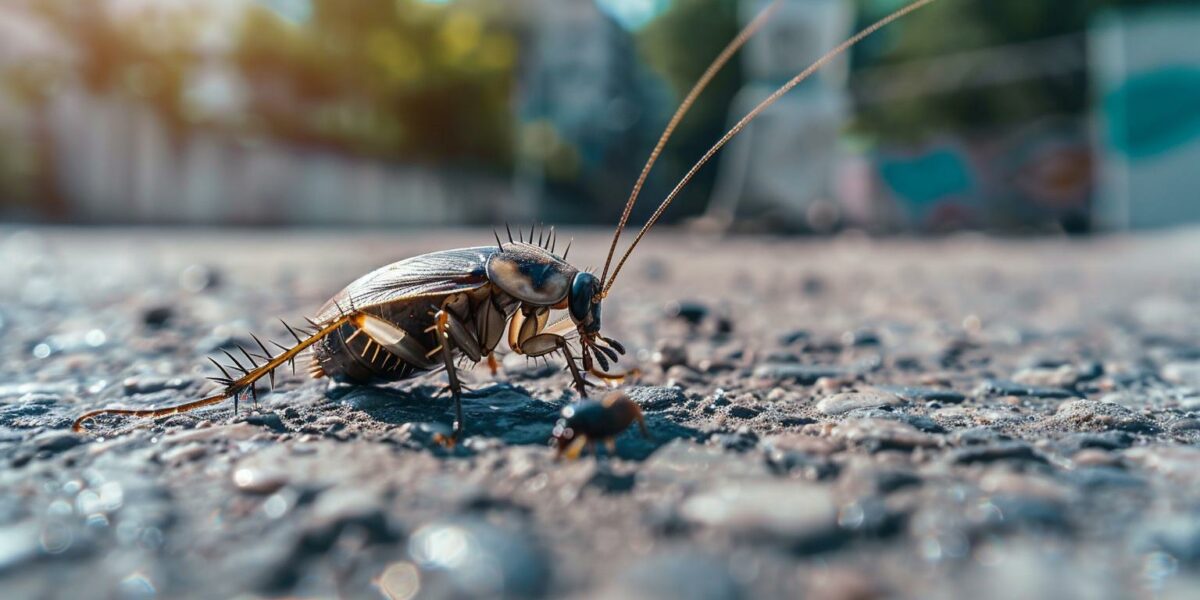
430 274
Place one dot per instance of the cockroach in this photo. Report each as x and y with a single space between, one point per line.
425 313
584 424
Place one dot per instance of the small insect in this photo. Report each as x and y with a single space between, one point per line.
585 423
432 311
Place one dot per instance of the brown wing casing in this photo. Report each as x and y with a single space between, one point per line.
436 274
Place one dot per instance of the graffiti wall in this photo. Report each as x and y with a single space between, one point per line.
1146 71
1037 177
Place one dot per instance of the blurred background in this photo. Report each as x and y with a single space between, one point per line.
1026 117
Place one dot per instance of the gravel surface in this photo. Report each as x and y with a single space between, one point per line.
845 418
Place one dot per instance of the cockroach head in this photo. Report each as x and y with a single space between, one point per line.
583 302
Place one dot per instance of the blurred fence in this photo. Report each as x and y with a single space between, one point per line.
118 162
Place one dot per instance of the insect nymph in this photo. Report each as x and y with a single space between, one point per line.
428 312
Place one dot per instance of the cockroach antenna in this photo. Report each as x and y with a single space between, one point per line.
737 128
712 70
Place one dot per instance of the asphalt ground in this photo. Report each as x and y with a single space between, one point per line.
836 418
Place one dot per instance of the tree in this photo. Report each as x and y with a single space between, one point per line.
403 80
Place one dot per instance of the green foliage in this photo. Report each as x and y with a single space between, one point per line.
147 59
680 44
403 79
948 28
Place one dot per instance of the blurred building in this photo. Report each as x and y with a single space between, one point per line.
1146 69
446 112
781 167
580 113
800 169
118 163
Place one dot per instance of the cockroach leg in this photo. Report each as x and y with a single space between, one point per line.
580 382
395 340
614 378
447 326
545 343
603 355
233 390
150 413
531 337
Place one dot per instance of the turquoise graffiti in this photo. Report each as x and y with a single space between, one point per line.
935 188
1154 112
928 178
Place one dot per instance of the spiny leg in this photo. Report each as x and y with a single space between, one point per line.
395 340
545 343
234 388
605 354
402 345
581 383
528 335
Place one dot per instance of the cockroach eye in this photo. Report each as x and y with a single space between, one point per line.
584 289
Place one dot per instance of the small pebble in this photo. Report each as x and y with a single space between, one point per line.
1182 373
796 513
668 354
57 441
692 313
1090 415
1002 451
258 481
472 558
1012 388
198 278
839 404
157 316
924 394
671 575
802 374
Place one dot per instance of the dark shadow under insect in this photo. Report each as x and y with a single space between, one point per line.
501 411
